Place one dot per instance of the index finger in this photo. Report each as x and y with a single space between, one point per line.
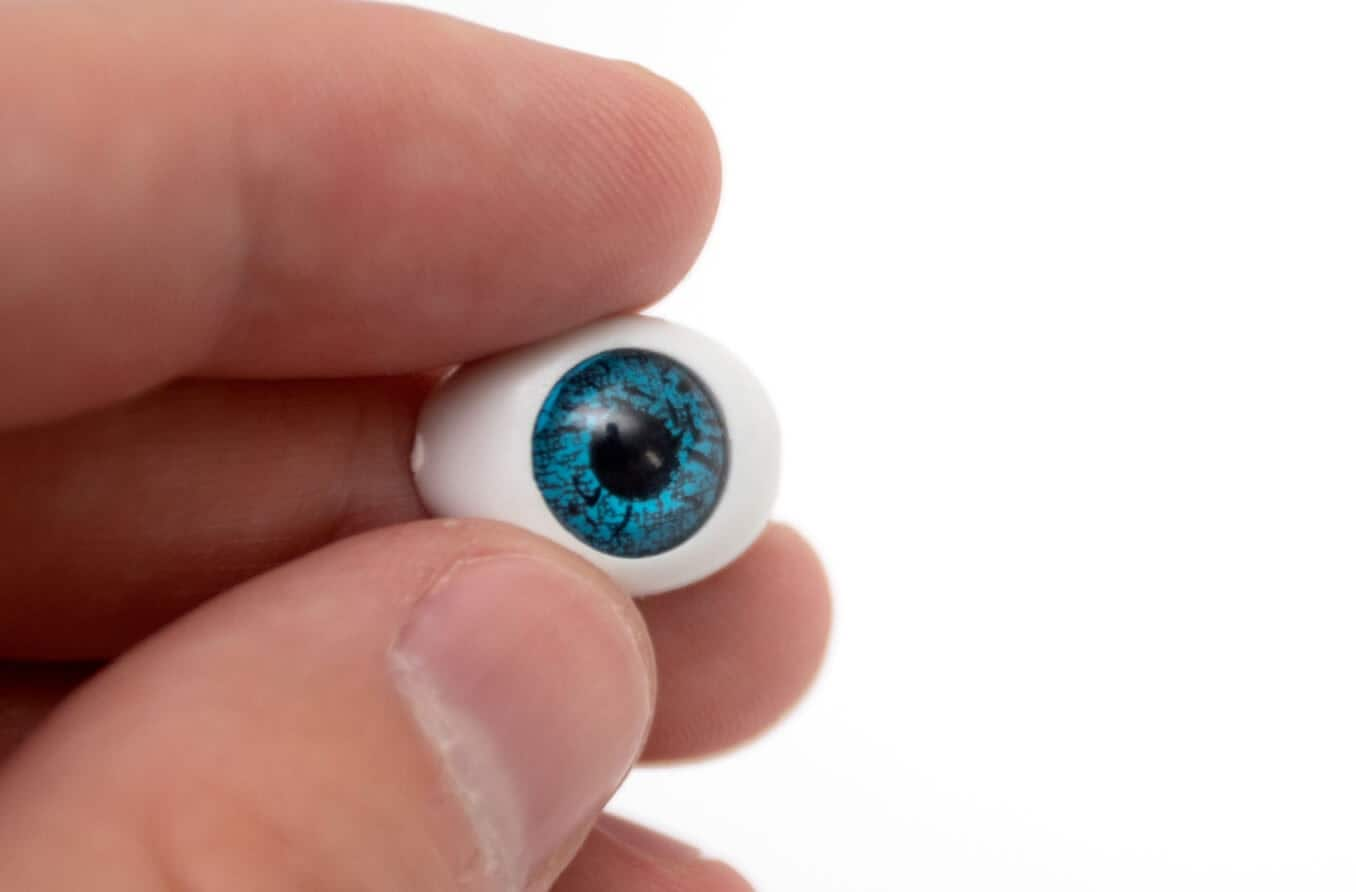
333 190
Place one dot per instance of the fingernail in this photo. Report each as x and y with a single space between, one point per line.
534 686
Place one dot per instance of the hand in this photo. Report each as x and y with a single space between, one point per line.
232 243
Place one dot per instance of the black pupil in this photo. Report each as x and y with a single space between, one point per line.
633 454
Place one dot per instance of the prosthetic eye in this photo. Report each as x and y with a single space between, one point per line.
639 444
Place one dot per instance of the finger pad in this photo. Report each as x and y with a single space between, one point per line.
498 190
736 651
608 863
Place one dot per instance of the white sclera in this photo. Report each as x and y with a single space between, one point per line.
473 452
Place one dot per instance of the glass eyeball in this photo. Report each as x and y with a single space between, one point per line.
639 444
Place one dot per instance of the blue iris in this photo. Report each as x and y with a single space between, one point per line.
630 452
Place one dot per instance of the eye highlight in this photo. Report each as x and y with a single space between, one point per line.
630 452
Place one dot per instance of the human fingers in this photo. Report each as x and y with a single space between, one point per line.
620 856
734 653
739 649
318 190
118 521
432 706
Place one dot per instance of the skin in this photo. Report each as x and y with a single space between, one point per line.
236 240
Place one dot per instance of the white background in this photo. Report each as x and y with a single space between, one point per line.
1056 302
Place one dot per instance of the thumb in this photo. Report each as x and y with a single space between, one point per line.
436 706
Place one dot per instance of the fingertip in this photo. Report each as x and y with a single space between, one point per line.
785 547
479 694
620 856
714 876
677 159
535 694
397 191
740 649
503 188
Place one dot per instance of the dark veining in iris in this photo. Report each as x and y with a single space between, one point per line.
629 451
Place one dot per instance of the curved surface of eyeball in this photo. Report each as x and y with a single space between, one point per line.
639 444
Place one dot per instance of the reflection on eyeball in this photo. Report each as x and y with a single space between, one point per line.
641 445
